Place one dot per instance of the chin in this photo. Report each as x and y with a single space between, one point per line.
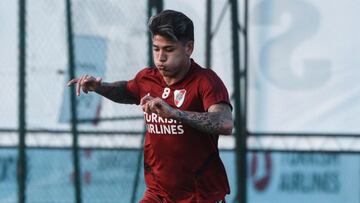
165 74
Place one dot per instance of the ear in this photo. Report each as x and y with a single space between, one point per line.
189 47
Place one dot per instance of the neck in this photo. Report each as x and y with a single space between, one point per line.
179 76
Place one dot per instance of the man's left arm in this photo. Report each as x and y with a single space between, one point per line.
217 120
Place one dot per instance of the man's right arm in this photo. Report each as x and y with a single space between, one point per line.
115 91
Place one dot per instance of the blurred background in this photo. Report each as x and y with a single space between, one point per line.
291 68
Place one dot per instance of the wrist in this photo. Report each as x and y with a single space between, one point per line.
98 87
177 114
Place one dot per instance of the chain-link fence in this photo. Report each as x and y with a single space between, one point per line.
110 40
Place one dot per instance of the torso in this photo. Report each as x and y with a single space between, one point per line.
175 152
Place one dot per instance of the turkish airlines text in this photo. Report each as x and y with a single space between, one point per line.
163 126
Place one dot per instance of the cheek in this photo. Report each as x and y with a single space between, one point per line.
155 54
176 59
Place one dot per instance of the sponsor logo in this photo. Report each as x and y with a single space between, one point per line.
163 126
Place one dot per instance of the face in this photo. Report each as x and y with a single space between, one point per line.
171 58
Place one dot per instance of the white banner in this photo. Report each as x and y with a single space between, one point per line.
303 178
304 66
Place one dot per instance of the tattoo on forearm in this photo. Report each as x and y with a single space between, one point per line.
116 92
209 122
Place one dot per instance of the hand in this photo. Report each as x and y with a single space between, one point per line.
158 106
86 83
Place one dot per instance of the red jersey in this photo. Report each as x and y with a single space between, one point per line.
182 164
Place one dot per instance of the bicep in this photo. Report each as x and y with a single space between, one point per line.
221 114
223 108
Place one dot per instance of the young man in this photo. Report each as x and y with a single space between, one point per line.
186 108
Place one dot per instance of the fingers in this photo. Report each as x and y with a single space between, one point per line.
152 105
155 106
73 81
145 99
158 106
84 89
144 102
84 83
79 84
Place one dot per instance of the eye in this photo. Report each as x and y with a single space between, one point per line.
169 49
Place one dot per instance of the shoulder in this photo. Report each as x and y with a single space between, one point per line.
146 73
147 70
207 75
204 73
208 80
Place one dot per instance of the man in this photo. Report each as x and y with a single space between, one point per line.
186 108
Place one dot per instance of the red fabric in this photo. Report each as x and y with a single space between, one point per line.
182 164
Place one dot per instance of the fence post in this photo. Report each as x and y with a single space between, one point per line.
21 165
208 34
74 120
239 97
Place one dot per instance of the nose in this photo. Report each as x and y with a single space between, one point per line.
162 56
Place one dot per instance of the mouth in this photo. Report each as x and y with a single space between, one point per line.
161 67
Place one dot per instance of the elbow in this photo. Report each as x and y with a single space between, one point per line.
228 128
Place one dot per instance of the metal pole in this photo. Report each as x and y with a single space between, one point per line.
21 168
154 7
74 130
244 132
240 128
208 34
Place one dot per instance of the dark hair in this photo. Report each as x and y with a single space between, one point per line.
172 25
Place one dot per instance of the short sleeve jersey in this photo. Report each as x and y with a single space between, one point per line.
180 162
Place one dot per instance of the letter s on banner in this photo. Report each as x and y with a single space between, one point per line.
276 53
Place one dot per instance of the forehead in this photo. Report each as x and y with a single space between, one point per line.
159 40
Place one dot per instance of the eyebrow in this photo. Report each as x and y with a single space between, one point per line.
164 47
